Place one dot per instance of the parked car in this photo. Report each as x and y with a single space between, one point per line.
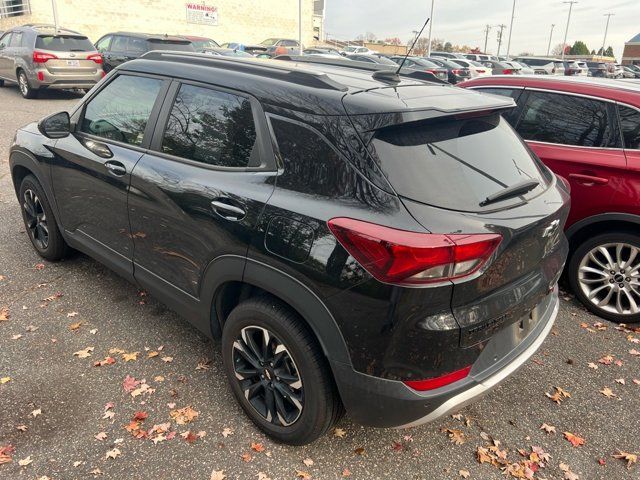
598 69
635 68
480 57
354 49
618 71
378 59
588 131
323 52
418 63
630 72
202 43
455 73
233 46
226 52
447 55
522 68
543 66
500 68
476 69
120 47
37 57
274 47
397 280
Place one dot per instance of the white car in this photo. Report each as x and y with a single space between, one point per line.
476 68
480 57
358 50
522 68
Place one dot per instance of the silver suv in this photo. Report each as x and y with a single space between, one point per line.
40 57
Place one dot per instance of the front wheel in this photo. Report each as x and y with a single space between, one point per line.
278 373
604 274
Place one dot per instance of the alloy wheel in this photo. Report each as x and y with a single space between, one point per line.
609 276
23 83
268 376
36 219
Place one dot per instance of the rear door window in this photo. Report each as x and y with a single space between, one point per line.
16 39
211 127
119 44
567 120
630 126
121 110
64 43
456 163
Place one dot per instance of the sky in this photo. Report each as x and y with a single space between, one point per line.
463 21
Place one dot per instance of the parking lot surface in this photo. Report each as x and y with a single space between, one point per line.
66 418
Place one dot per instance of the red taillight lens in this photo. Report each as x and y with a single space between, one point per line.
480 71
437 382
41 57
281 51
457 72
96 57
507 71
412 258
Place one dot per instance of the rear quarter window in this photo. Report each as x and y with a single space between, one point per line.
630 126
457 163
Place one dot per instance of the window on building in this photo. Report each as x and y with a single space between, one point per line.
14 8
567 120
630 125
120 111
211 127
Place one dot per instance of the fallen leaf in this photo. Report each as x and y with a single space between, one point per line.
113 453
225 431
5 453
606 360
548 428
93 331
559 395
359 451
72 314
189 436
25 461
96 471
106 361
574 439
303 475
84 353
17 336
75 326
182 416
39 266
153 354
621 381
464 473
4 380
130 383
263 476
346 472
593 365
22 428
100 436
308 462
36 412
456 436
634 352
246 457
218 475
607 392
4 314
630 458
167 359
129 357
257 447
339 432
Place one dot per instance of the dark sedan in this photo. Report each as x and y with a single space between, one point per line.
456 73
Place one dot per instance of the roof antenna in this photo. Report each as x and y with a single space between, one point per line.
412 45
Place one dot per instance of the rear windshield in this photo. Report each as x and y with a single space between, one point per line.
535 62
64 43
457 163
170 45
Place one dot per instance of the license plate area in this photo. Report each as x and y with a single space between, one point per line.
73 63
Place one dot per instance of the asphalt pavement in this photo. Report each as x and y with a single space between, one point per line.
62 417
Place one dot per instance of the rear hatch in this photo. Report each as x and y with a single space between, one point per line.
67 55
454 171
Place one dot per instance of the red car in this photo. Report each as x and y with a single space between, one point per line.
588 132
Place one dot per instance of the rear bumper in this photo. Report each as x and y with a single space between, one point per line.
53 81
386 403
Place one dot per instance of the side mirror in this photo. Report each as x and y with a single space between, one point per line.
57 125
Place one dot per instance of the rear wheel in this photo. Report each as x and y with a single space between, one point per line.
25 87
604 273
39 220
278 373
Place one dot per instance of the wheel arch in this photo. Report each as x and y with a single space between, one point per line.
602 223
231 279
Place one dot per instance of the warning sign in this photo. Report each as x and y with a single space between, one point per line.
202 13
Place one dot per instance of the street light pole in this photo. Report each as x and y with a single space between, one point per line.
487 29
513 11
550 36
55 14
606 30
566 30
430 25
299 27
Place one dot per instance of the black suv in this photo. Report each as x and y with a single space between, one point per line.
119 47
356 239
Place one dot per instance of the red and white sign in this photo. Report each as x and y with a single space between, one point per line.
202 13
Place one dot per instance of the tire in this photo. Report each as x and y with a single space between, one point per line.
614 296
1 83
40 221
302 362
25 87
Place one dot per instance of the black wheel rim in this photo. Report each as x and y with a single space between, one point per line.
268 376
36 219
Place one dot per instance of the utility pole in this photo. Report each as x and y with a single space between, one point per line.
430 25
55 14
513 11
550 36
502 26
299 27
566 30
487 29
606 30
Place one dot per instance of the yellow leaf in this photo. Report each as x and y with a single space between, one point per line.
4 380
128 357
4 314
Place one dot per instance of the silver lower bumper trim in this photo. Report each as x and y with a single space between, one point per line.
486 385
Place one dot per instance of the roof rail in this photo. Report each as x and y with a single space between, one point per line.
383 73
253 66
49 26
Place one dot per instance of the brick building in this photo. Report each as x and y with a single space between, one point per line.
631 52
223 20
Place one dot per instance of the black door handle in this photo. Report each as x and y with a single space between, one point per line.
115 168
226 210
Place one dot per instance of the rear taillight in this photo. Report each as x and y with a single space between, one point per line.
41 57
281 51
96 57
457 72
480 71
507 71
437 382
413 258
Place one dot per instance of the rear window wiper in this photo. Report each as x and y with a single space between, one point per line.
515 190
